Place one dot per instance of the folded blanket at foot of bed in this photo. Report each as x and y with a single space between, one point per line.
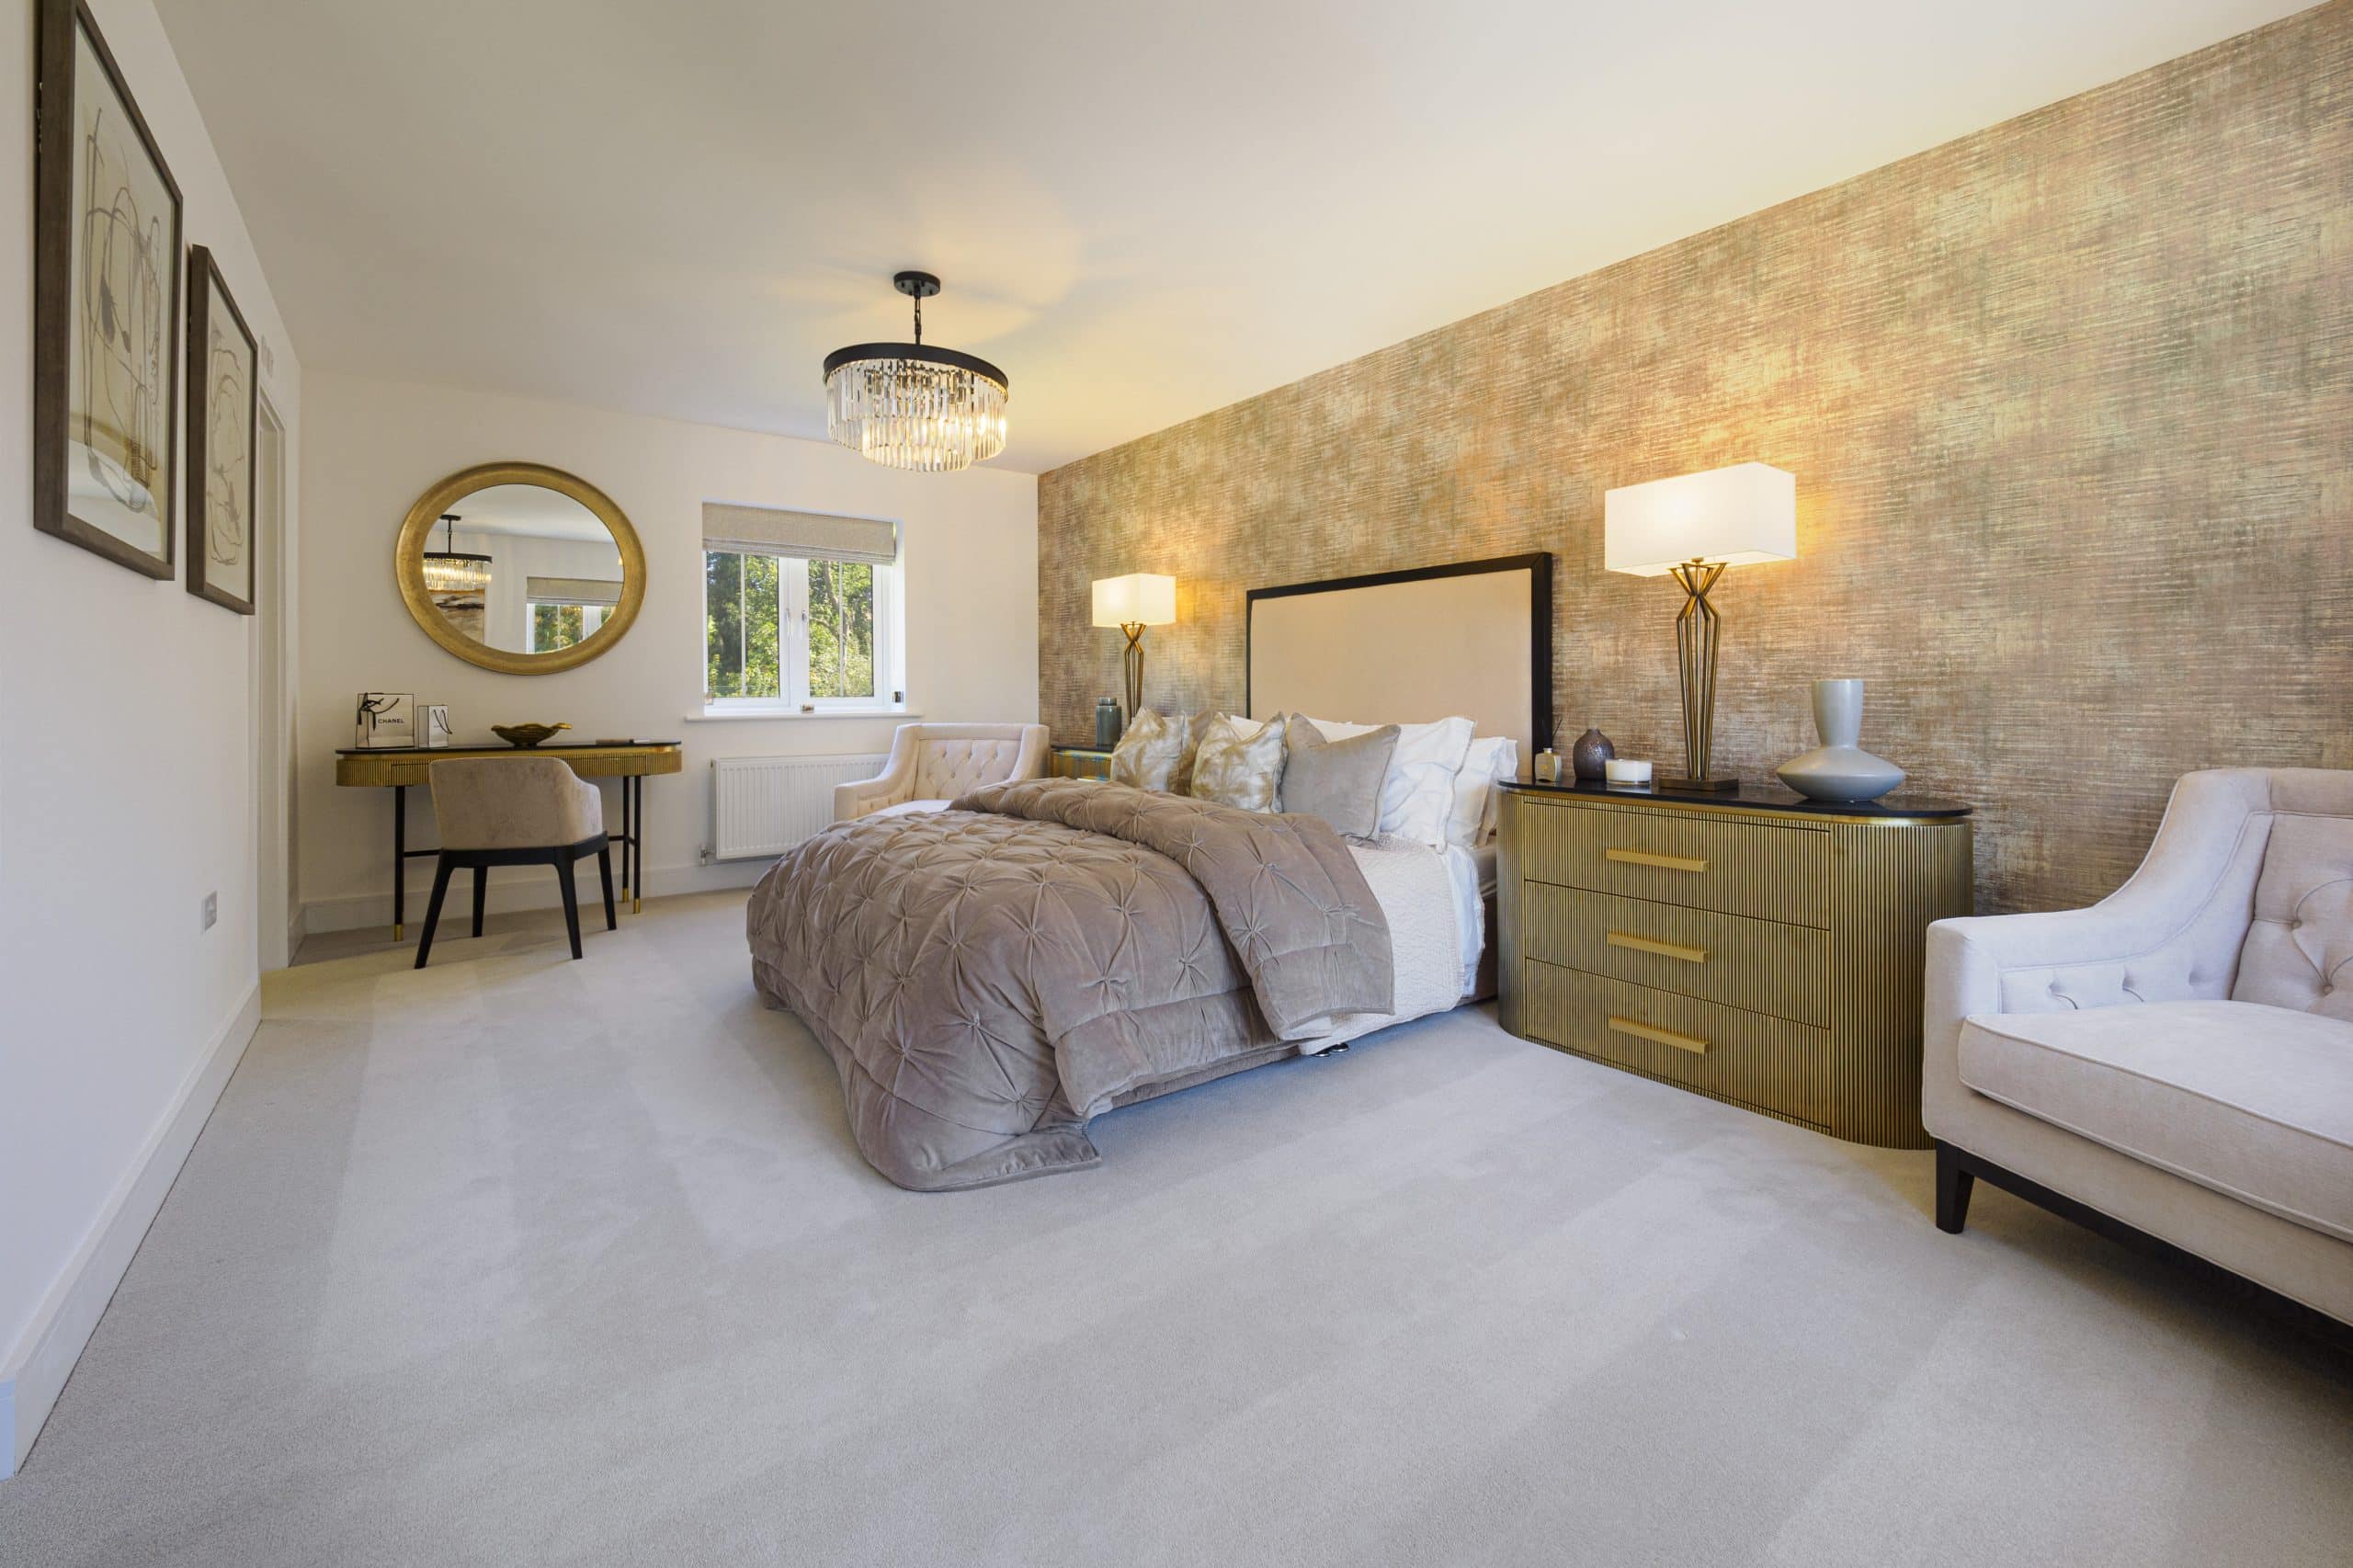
988 977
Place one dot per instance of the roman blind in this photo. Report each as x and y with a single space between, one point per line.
766 530
572 590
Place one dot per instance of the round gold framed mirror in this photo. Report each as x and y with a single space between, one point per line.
520 568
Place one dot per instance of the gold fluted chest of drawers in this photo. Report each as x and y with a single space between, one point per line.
1764 951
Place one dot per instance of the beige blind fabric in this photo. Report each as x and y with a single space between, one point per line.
763 530
572 590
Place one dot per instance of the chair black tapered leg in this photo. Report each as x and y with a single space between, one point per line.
442 867
571 899
605 871
1954 1184
482 880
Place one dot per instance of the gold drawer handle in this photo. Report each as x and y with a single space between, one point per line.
1691 1043
1664 949
1664 862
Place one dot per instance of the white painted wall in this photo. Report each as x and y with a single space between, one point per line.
373 446
126 794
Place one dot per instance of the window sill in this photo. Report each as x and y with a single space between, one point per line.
773 715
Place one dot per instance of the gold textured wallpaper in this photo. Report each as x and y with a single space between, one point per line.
2070 402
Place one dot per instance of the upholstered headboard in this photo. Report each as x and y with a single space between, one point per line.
1474 638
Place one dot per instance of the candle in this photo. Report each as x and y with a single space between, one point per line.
1626 770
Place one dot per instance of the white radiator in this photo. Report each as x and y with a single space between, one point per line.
765 805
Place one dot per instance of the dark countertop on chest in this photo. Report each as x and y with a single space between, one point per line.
1752 798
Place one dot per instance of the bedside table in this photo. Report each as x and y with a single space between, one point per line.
1758 948
1078 762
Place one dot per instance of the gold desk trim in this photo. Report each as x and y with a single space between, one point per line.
1690 1042
409 766
1652 945
1646 857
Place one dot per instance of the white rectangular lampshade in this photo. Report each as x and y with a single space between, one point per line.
1145 597
1737 515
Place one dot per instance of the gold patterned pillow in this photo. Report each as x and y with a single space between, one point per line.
1196 725
1240 762
1148 753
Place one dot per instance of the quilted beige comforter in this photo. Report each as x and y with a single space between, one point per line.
989 977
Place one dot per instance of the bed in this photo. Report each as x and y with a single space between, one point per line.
989 978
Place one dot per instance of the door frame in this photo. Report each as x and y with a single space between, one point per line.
277 911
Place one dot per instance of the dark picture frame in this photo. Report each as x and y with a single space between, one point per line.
105 307
223 399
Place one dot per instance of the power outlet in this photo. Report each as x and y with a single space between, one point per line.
212 909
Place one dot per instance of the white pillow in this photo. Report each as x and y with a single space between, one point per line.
1489 760
1418 794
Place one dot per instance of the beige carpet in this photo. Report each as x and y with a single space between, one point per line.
525 1261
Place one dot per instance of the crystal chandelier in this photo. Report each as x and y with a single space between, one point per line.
911 405
451 571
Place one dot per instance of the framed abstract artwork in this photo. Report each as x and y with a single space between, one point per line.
223 363
105 306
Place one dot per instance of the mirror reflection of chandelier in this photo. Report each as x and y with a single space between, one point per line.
911 405
452 571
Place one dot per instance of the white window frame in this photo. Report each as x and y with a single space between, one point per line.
532 618
792 652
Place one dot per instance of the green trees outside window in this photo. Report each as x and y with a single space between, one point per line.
779 629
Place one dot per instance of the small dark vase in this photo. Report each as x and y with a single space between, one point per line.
1108 723
1593 749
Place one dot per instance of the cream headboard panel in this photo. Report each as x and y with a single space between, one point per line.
1474 638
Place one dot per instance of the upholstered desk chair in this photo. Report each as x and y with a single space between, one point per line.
930 765
524 811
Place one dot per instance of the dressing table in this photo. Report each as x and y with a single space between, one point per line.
632 762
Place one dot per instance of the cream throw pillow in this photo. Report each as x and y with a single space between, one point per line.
1240 762
1148 753
1418 797
1337 780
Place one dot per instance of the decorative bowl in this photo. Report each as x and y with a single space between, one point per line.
525 735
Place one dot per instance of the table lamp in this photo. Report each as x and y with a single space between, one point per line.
1131 603
1693 526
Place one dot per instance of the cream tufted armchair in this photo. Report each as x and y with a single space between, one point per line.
930 765
2177 1060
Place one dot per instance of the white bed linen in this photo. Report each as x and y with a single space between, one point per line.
1470 876
1420 892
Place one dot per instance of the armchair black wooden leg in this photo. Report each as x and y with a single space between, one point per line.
1954 1184
571 899
482 877
442 867
605 872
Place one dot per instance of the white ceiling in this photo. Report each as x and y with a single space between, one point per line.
527 511
1143 212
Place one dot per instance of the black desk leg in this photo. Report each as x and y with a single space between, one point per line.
625 832
400 855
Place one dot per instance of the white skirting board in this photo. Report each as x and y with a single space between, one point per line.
39 1363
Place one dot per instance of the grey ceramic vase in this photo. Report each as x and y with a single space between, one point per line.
1838 769
1593 749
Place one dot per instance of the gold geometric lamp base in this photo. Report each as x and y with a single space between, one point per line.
1695 630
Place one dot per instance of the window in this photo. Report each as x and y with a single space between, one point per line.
564 610
800 611
557 623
